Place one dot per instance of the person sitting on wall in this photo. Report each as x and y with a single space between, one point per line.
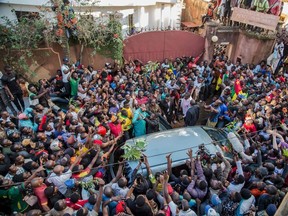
261 6
209 15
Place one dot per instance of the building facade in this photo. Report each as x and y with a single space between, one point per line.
137 14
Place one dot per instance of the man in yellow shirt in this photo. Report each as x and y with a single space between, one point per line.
126 123
128 109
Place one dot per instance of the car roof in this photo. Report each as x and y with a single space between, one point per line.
175 141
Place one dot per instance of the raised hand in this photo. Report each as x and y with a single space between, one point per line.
190 153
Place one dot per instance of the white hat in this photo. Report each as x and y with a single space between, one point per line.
212 212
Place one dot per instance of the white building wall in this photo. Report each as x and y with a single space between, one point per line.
148 15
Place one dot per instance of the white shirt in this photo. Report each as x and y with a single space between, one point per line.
185 105
173 208
118 191
189 212
59 181
81 95
236 187
246 205
65 76
201 69
278 50
229 67
197 84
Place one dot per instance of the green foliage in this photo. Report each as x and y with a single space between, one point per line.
89 184
134 152
18 39
103 36
152 66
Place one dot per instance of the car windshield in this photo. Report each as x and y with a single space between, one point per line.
222 141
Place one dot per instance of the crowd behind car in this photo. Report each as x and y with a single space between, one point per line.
55 152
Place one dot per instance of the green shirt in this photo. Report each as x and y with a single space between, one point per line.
15 196
74 86
261 6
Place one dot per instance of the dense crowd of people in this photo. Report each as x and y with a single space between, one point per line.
55 151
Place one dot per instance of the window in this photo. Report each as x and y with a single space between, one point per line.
27 14
130 21
221 140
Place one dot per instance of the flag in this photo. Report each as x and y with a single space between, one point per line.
237 86
233 94
219 82
237 91
221 79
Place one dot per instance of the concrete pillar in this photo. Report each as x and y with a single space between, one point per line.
211 30
142 17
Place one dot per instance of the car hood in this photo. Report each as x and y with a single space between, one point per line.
177 142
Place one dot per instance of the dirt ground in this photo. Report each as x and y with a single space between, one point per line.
203 116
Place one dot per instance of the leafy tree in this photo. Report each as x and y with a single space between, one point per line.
19 38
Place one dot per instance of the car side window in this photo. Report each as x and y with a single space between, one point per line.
221 139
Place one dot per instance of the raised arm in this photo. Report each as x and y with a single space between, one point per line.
169 164
192 162
130 192
101 184
40 168
78 160
165 177
119 173
199 168
239 166
227 166
104 145
136 170
146 162
94 159
106 155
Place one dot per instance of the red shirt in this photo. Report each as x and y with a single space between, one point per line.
138 69
39 192
115 129
250 128
75 206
